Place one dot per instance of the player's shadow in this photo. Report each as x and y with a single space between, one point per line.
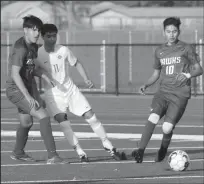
93 159
188 170
128 154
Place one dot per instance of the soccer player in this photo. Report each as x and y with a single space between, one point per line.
53 60
21 90
176 62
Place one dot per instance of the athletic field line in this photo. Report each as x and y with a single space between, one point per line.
99 149
110 135
32 139
108 179
88 163
125 96
105 124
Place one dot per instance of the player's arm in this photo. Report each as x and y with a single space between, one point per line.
17 63
154 77
196 68
195 62
38 72
80 68
17 60
15 74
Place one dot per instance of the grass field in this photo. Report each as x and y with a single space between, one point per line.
123 118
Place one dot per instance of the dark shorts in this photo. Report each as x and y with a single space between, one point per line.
18 99
169 105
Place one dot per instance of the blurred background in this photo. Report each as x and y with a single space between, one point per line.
115 40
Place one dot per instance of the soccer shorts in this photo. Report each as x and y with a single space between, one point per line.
169 105
18 99
59 102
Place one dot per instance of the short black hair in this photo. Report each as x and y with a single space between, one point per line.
31 22
172 21
48 28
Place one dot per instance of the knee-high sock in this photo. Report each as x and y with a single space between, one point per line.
21 139
46 133
166 140
147 134
97 127
69 134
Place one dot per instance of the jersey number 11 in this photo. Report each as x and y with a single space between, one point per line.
56 68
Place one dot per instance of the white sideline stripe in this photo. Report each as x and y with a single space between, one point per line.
104 124
89 163
107 179
110 135
98 149
32 139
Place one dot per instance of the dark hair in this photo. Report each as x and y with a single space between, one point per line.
31 22
48 28
172 21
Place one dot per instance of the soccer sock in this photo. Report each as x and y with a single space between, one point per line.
46 133
98 128
21 139
69 134
166 140
147 134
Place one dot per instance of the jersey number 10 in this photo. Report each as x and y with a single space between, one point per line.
56 68
169 69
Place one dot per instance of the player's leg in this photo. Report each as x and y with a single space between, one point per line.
45 126
158 109
98 128
62 119
46 134
175 110
26 122
56 105
79 106
17 98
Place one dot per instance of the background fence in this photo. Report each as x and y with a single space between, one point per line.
114 68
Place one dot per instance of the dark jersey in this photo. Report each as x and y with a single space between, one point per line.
23 55
172 60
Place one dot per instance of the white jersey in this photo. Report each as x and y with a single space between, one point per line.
54 65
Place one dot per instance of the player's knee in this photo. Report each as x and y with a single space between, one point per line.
94 122
167 128
61 117
88 115
39 114
154 118
26 121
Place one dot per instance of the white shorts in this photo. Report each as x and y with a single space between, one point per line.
59 102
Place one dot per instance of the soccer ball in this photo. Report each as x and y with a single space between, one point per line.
178 160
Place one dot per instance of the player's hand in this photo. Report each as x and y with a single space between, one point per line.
142 89
52 84
33 103
182 77
89 83
49 81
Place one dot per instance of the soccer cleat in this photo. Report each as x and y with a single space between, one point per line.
84 158
82 155
138 155
115 154
22 157
161 154
57 160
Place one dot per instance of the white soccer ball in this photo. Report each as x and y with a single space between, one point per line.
178 160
